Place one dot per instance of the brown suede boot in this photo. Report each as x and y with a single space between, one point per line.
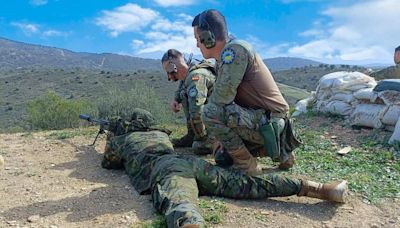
335 191
242 159
288 163
186 140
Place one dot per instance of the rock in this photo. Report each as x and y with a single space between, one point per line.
33 218
1 162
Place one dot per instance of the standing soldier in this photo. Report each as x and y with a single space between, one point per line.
175 181
196 82
246 106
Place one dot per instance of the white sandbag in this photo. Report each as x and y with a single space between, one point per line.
337 107
301 106
366 94
367 115
390 97
391 115
396 134
344 80
346 97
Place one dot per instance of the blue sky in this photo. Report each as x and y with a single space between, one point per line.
337 31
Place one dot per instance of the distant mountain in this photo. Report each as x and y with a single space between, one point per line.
15 54
286 63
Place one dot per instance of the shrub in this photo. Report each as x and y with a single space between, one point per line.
52 112
121 103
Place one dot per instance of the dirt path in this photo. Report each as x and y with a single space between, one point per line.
59 183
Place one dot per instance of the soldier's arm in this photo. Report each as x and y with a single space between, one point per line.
234 62
177 96
197 96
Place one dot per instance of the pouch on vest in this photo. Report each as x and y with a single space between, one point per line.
270 134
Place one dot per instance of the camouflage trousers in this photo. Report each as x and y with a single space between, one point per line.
233 125
178 180
198 128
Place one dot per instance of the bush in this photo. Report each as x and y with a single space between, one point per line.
52 112
121 103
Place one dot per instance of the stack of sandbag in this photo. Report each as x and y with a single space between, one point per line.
378 107
335 91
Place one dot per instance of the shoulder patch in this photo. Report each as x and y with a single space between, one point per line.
227 56
193 92
195 78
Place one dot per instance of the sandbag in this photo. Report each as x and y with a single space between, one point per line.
346 97
391 115
367 115
395 138
301 106
366 94
390 97
344 80
337 107
388 84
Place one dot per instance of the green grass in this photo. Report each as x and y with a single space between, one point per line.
213 210
158 222
368 168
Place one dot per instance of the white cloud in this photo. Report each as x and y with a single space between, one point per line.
165 34
38 2
53 33
157 33
365 31
27 28
266 50
168 3
127 18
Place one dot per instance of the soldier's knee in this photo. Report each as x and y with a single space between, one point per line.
212 112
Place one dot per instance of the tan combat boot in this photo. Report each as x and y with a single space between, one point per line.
242 159
186 140
335 191
288 163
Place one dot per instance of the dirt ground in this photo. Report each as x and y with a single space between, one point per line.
59 183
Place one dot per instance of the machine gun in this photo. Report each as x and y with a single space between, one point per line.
103 125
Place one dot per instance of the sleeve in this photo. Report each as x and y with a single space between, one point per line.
197 94
234 62
178 97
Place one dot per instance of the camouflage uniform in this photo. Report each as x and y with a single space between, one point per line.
193 93
175 181
240 105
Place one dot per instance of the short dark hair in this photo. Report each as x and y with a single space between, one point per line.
397 49
214 21
171 54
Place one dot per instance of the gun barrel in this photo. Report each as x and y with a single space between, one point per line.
90 119
84 117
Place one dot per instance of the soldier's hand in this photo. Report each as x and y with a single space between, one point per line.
175 106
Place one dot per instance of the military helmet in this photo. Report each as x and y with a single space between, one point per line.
141 118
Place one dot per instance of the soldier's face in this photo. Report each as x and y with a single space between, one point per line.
204 51
397 57
172 75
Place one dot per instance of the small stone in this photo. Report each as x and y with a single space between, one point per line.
392 221
53 226
12 222
1 162
264 212
374 226
33 218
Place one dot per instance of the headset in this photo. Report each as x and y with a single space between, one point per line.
207 37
